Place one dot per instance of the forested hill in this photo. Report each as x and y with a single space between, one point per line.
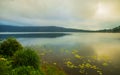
116 29
9 28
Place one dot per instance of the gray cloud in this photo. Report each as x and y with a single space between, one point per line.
66 13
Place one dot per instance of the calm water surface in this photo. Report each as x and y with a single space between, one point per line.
68 50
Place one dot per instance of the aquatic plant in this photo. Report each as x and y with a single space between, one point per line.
49 69
88 64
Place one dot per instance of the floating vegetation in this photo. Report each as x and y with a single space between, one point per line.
42 54
105 64
77 56
49 69
73 59
74 51
70 64
54 63
88 64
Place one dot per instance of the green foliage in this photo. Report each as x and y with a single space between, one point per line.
26 70
4 66
9 46
26 57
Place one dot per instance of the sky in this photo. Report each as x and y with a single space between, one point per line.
80 14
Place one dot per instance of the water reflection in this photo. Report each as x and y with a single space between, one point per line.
33 35
100 51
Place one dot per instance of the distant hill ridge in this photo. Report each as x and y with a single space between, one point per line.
116 29
9 28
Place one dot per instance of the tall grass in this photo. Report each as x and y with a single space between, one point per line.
26 57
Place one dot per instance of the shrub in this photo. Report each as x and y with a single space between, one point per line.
9 46
26 57
25 70
4 66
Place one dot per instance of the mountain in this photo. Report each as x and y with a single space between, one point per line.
9 28
116 29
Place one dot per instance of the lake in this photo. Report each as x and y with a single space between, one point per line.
75 53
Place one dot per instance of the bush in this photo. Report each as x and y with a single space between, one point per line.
25 70
9 46
26 57
4 66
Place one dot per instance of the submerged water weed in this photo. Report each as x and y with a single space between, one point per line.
78 56
74 51
104 58
42 54
84 67
70 64
54 63
88 64
105 64
49 69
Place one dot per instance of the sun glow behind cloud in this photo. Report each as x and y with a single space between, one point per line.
103 10
82 14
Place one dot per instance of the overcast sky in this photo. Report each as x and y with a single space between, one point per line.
81 14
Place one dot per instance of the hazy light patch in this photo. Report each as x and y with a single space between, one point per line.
112 51
102 11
